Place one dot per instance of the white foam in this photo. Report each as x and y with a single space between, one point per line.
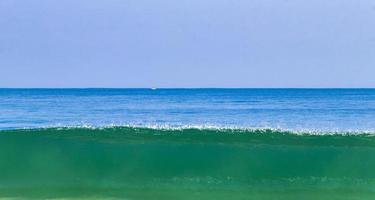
264 129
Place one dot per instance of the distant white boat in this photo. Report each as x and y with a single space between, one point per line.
153 88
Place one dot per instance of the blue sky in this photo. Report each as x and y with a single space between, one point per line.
187 43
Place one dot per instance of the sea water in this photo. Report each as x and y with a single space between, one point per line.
187 143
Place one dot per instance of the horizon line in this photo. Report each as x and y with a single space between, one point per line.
83 88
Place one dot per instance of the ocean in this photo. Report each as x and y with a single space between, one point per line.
187 144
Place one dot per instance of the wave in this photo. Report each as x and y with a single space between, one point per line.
176 163
204 134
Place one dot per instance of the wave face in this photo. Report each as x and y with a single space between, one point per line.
185 163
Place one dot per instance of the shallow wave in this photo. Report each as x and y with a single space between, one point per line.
112 161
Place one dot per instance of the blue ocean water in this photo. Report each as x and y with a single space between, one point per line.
290 109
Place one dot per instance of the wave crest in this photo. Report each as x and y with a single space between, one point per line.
204 135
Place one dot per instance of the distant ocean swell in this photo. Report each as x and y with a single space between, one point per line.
186 163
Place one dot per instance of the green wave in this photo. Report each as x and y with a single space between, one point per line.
223 136
186 163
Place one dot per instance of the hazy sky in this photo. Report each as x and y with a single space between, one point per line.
187 43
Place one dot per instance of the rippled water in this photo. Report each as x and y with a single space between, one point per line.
296 109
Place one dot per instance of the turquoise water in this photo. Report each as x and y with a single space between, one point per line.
187 144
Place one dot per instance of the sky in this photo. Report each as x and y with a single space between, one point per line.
187 43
